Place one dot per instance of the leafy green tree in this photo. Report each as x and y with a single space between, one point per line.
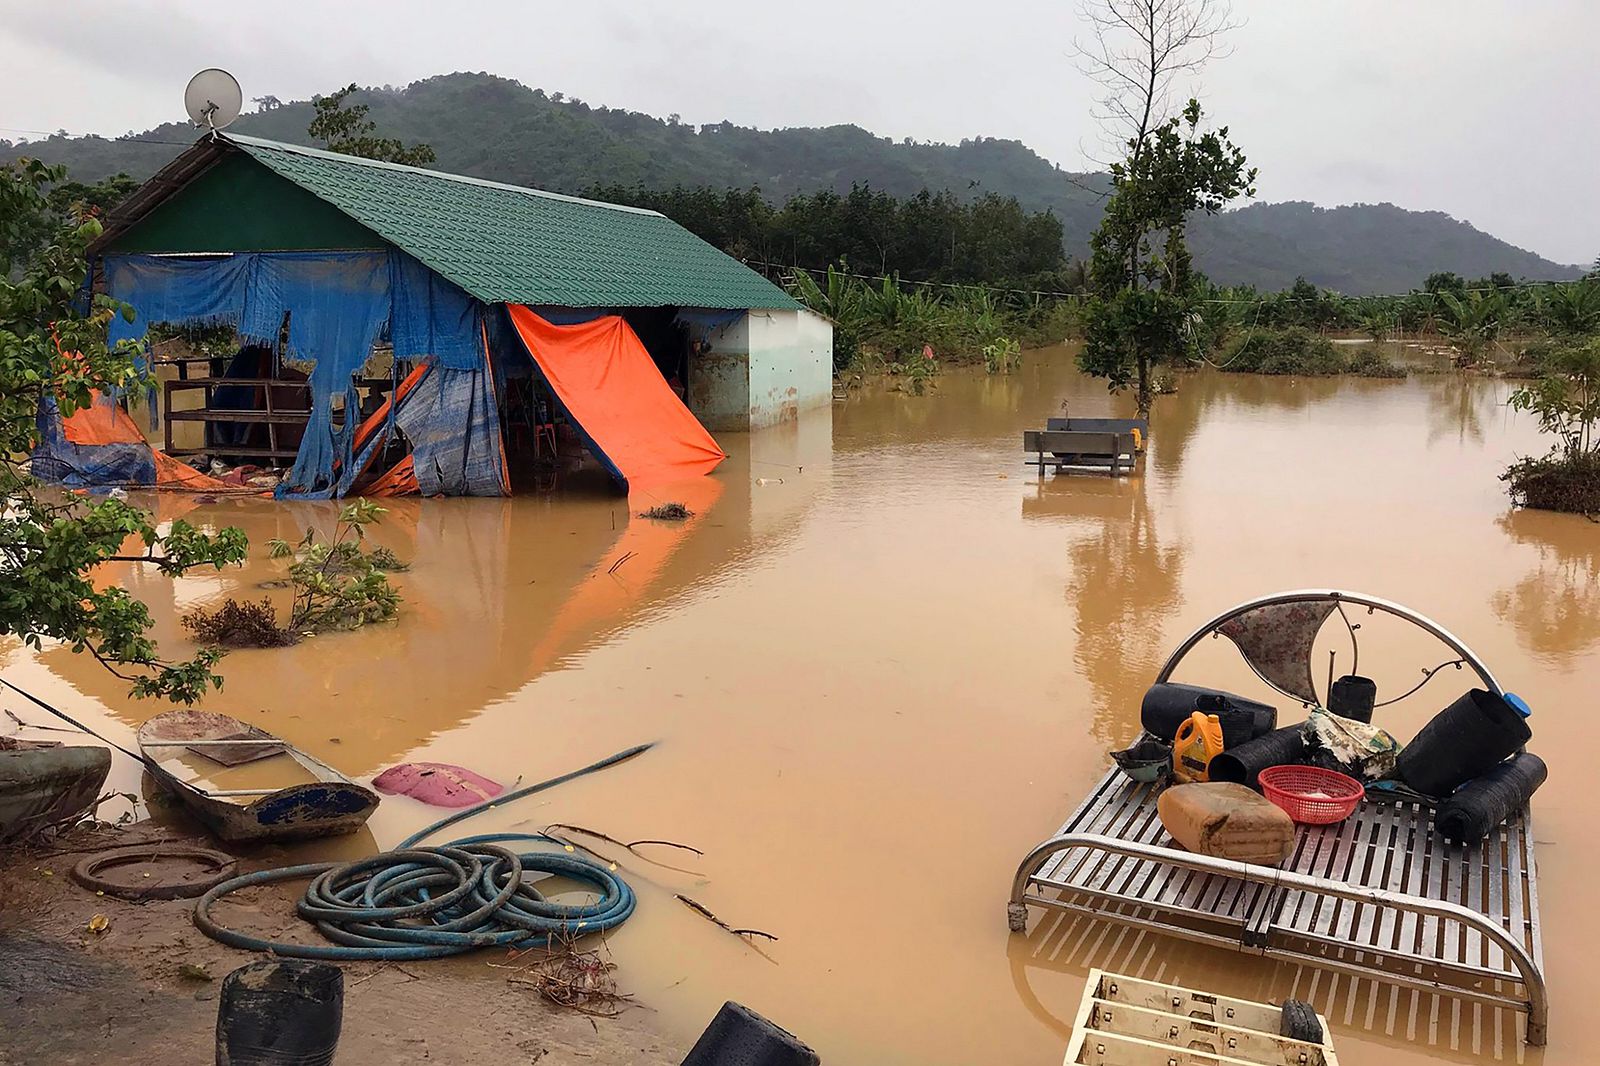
53 348
1566 398
350 131
1144 289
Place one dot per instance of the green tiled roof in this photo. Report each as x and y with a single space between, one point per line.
505 244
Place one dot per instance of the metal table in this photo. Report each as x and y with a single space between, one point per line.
1379 895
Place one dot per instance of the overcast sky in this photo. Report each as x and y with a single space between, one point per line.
1484 110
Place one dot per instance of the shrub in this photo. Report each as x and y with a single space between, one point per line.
1556 483
1294 350
1302 353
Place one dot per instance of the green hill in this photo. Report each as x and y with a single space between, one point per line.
496 128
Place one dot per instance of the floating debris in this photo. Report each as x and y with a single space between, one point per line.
669 512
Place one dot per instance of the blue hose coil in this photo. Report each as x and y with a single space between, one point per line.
452 898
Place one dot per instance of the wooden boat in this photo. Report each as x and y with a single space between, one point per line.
330 805
45 784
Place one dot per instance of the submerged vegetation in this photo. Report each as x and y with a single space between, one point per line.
337 586
1297 351
1566 400
895 324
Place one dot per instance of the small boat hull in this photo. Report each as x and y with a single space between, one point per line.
327 807
46 785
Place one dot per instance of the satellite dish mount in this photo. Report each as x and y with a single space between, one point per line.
213 99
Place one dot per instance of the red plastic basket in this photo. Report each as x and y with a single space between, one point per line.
1311 794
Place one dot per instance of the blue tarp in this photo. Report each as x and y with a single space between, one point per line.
337 304
57 459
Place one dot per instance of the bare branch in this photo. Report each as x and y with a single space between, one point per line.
1136 50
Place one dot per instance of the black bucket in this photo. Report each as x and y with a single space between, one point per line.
1461 742
738 1036
1483 803
280 1012
1243 764
1353 696
1168 705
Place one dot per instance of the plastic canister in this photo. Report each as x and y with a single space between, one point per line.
1196 743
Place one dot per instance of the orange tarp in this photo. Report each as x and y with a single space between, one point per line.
102 422
609 384
398 480
105 422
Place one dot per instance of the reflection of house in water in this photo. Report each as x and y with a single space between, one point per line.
500 592
1124 584
1555 608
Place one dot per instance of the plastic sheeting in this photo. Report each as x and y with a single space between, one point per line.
337 304
109 456
451 419
611 387
100 445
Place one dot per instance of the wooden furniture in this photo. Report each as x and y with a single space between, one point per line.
271 415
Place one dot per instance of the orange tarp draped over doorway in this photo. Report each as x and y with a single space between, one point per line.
610 386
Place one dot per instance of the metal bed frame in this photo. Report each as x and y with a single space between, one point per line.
1378 895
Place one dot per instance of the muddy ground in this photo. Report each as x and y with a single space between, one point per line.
133 993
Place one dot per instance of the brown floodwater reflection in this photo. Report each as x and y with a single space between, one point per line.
885 658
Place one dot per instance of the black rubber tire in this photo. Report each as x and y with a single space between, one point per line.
221 867
1300 1022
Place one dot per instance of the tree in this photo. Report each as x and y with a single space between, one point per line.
1566 398
348 130
53 349
1142 298
1144 291
1138 49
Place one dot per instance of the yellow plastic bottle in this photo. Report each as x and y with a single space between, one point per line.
1196 743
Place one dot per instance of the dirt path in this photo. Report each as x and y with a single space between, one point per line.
80 998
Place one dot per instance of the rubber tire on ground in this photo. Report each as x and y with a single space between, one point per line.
87 871
1300 1022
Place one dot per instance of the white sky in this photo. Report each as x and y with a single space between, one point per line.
1480 109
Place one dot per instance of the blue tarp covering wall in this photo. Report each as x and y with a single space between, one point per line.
86 465
337 304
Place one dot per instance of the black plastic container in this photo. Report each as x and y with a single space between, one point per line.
1168 705
1461 742
738 1036
1474 809
1243 764
280 1012
1353 696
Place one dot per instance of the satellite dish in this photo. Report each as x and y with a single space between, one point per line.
213 99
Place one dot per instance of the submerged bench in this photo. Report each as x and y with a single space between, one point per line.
1066 448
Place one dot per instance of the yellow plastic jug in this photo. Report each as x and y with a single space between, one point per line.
1197 742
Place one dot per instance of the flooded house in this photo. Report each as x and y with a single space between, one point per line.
396 331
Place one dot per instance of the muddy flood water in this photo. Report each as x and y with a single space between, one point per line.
885 658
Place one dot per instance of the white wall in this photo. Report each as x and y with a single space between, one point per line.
791 365
761 370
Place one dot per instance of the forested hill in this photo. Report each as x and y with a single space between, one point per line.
495 128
